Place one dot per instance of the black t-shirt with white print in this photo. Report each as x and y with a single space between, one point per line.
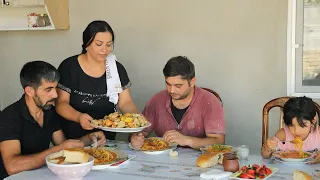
87 94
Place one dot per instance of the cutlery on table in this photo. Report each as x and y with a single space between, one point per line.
122 161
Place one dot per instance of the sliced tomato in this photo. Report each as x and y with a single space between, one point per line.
251 176
244 175
258 169
255 166
262 176
244 168
251 171
268 171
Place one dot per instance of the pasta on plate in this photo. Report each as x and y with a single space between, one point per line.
101 156
154 144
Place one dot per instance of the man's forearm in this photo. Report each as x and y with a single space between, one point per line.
196 143
27 162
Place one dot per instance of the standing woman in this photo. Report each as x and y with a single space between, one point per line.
93 83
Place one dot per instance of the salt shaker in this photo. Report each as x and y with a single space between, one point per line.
243 152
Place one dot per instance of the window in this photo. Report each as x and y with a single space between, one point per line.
303 48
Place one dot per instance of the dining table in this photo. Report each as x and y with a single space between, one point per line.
163 166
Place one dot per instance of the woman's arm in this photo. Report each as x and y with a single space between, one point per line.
126 104
65 110
63 107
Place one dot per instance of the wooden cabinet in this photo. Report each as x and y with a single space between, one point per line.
13 14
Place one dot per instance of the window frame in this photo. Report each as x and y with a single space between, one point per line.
295 88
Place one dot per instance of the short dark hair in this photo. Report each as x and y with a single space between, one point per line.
32 73
179 66
91 31
302 108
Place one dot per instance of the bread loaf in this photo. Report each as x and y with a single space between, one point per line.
300 175
209 159
75 156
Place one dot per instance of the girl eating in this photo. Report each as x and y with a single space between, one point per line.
299 116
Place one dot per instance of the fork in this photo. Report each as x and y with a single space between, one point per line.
271 161
95 143
283 142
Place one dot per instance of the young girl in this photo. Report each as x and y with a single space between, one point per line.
299 115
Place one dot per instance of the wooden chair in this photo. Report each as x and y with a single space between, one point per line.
278 102
213 92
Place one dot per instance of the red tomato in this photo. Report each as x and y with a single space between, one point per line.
243 175
258 169
268 171
251 171
255 166
244 168
262 176
251 176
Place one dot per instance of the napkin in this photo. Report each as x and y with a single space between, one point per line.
215 174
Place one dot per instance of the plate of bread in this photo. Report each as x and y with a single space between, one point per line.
103 157
217 148
116 122
155 145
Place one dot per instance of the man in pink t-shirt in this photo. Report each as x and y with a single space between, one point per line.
183 113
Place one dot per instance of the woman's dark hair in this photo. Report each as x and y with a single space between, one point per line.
32 74
301 108
179 66
91 30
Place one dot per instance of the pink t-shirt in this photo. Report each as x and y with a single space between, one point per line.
203 116
311 143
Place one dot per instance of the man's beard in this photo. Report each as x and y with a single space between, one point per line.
182 96
42 106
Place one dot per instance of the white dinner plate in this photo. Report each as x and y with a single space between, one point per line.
308 160
303 160
124 130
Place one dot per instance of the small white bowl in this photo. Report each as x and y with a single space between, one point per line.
70 171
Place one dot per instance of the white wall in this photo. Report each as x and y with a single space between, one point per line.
238 48
3 42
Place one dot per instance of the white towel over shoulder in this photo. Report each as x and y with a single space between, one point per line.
113 80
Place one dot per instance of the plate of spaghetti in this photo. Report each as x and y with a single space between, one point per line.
104 157
217 148
155 145
292 156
